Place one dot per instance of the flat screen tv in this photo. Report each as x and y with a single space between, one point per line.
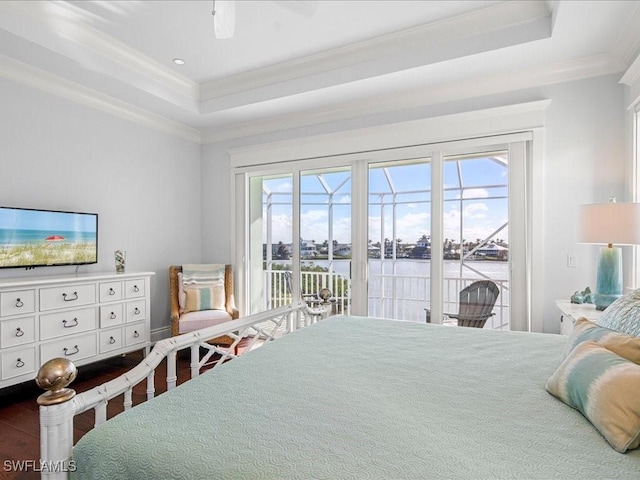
36 238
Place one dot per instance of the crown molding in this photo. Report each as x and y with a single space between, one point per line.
492 27
47 82
627 45
499 83
631 78
55 26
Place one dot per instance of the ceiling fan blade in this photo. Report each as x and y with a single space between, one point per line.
224 18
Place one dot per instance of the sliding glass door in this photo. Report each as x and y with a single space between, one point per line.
391 234
398 247
476 229
314 207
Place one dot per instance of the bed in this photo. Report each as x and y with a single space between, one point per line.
363 398
345 398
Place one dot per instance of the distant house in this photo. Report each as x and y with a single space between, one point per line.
423 242
308 249
494 251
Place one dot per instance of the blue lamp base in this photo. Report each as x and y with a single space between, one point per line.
609 277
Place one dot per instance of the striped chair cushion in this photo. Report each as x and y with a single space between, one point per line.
621 344
203 274
605 388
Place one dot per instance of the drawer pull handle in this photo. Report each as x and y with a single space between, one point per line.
68 353
65 325
19 332
136 334
19 363
112 291
70 299
136 289
136 311
19 303
112 316
112 340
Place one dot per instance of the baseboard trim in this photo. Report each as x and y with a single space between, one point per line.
160 334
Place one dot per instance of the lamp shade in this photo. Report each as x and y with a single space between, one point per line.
609 223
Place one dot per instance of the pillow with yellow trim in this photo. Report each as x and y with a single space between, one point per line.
210 297
605 388
621 344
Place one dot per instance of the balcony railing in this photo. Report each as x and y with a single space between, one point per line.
402 297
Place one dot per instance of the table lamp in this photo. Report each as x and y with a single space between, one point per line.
609 223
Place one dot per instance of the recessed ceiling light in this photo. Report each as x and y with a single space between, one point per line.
178 61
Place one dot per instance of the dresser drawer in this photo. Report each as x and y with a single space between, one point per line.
111 340
54 325
18 302
75 348
67 297
136 311
134 288
111 315
110 292
17 331
134 334
18 362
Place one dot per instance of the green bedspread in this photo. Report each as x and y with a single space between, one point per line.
362 398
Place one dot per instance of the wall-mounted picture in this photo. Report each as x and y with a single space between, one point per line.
35 238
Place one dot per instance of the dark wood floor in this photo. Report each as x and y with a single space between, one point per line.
19 427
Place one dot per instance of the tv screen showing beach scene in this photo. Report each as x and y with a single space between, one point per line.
35 238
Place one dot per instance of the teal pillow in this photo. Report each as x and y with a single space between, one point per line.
623 315
605 388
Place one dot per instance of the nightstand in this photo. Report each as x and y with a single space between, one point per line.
573 311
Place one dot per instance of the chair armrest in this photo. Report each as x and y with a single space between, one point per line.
231 308
174 307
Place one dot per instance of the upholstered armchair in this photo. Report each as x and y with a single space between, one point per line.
185 317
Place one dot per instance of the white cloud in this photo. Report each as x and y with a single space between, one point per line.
475 211
409 227
474 193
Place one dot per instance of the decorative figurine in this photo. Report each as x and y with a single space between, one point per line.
582 297
120 260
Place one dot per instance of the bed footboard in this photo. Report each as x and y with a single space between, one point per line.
60 404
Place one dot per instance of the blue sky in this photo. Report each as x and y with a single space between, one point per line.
482 178
43 220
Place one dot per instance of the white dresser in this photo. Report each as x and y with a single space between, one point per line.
84 317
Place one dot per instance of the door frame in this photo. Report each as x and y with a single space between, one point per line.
518 121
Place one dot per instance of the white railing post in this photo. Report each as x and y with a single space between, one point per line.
172 376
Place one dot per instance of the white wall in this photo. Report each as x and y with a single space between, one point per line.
216 211
144 185
585 160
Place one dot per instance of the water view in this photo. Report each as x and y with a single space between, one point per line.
397 225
